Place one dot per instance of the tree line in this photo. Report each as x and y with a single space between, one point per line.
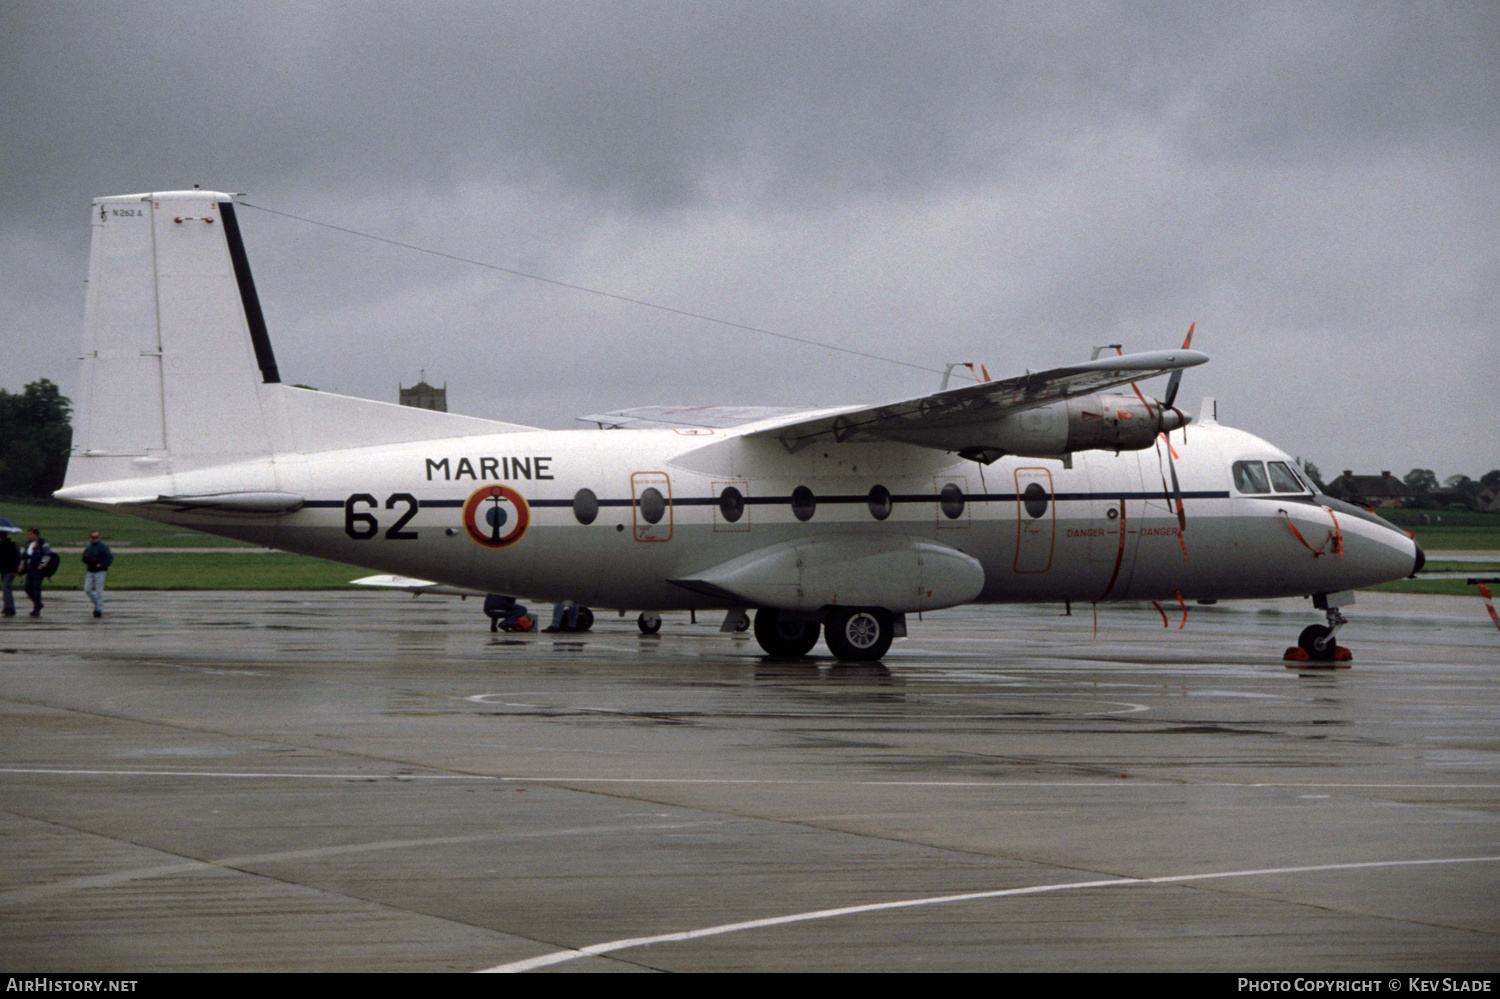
35 436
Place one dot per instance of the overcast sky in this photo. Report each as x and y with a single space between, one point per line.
1316 185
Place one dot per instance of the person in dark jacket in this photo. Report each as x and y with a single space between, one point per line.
10 562
97 558
505 613
33 561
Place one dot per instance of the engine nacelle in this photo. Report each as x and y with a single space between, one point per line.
1097 422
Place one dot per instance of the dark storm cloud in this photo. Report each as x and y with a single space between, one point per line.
650 103
1314 183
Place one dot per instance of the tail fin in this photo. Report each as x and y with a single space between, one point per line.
178 372
174 343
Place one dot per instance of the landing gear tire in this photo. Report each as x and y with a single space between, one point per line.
784 637
1311 636
585 619
859 634
649 622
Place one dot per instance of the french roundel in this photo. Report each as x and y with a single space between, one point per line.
496 516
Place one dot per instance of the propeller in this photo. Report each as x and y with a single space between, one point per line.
1176 378
1182 421
1174 494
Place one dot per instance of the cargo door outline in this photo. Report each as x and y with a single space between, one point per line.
1035 536
641 483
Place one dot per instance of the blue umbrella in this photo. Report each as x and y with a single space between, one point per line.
8 527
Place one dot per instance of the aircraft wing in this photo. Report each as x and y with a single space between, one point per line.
687 417
955 419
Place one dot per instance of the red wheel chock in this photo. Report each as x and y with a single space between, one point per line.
1297 658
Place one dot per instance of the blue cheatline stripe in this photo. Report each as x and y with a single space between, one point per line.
840 499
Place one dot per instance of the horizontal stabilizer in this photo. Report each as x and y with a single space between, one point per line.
264 503
414 586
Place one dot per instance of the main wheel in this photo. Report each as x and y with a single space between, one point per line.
859 634
585 619
784 637
1309 639
649 622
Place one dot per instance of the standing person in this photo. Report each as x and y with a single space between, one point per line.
10 561
564 617
97 558
33 561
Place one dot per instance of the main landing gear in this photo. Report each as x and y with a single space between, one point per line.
853 634
784 636
1318 643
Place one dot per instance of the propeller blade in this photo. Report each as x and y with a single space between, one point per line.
1176 379
1176 494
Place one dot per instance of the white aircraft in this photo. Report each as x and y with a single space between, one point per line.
1042 488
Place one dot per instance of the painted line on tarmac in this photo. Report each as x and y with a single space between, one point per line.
611 946
1126 708
244 775
1121 782
236 865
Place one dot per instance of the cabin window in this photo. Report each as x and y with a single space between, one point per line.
1034 499
1283 479
1250 477
951 500
585 506
881 503
803 503
653 505
732 504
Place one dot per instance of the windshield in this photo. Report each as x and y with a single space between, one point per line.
1284 479
1250 477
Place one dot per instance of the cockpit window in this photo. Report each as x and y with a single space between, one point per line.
1250 477
1284 479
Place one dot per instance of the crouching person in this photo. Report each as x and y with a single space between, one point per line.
505 613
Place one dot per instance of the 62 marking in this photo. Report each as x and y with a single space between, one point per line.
362 526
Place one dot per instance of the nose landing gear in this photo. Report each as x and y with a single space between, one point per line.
1316 647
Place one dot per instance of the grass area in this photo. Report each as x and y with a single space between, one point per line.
1441 587
205 571
1438 538
1413 519
1472 568
69 526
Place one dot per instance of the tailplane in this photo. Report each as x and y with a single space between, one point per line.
178 372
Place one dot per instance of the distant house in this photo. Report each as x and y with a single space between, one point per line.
1383 490
1489 499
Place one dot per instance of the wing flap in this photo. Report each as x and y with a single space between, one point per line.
678 417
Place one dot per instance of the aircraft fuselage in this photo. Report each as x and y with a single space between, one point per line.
1105 529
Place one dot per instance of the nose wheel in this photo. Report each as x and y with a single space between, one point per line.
1318 645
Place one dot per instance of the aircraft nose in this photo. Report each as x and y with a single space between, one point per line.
1421 560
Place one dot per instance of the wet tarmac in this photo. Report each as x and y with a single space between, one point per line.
371 782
